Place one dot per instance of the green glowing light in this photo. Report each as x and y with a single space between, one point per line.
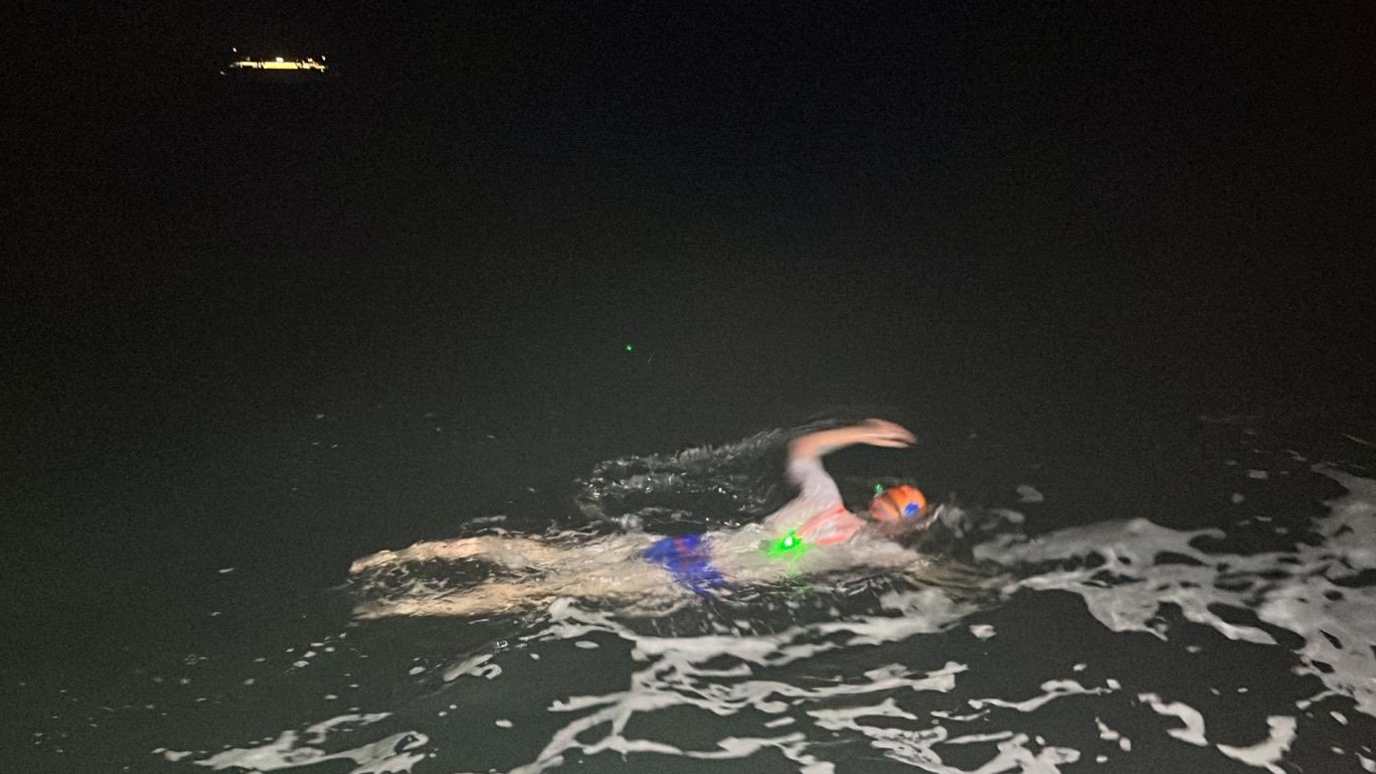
628 347
786 546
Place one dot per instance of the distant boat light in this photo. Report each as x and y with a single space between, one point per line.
278 63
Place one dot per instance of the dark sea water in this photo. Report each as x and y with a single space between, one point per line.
1114 286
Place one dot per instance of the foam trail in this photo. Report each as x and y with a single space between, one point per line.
1301 591
396 753
674 677
1268 753
1054 689
1193 732
1109 735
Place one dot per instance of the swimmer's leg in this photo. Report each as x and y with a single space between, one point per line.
487 599
509 551
645 584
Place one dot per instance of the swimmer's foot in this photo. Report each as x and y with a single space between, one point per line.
509 552
420 552
378 559
375 610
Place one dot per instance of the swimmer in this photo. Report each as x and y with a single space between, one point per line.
813 533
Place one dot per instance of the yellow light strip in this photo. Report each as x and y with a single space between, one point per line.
279 64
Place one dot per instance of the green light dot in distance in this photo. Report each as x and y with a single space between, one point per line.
628 348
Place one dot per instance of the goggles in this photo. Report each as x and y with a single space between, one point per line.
898 504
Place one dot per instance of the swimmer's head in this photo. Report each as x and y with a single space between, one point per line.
901 506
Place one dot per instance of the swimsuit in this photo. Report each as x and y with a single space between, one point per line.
689 560
689 557
832 526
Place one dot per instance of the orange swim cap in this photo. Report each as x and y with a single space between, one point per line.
898 504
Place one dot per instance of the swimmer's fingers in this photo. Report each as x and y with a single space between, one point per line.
889 439
879 432
886 427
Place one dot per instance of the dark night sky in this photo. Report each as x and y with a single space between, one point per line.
1183 184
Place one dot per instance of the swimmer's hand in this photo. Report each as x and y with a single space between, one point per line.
878 432
872 432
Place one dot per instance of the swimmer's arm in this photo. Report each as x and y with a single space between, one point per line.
872 432
817 491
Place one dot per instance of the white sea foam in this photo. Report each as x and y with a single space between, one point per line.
1355 439
1269 752
477 666
1109 735
1193 732
676 676
1052 689
398 752
1296 590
